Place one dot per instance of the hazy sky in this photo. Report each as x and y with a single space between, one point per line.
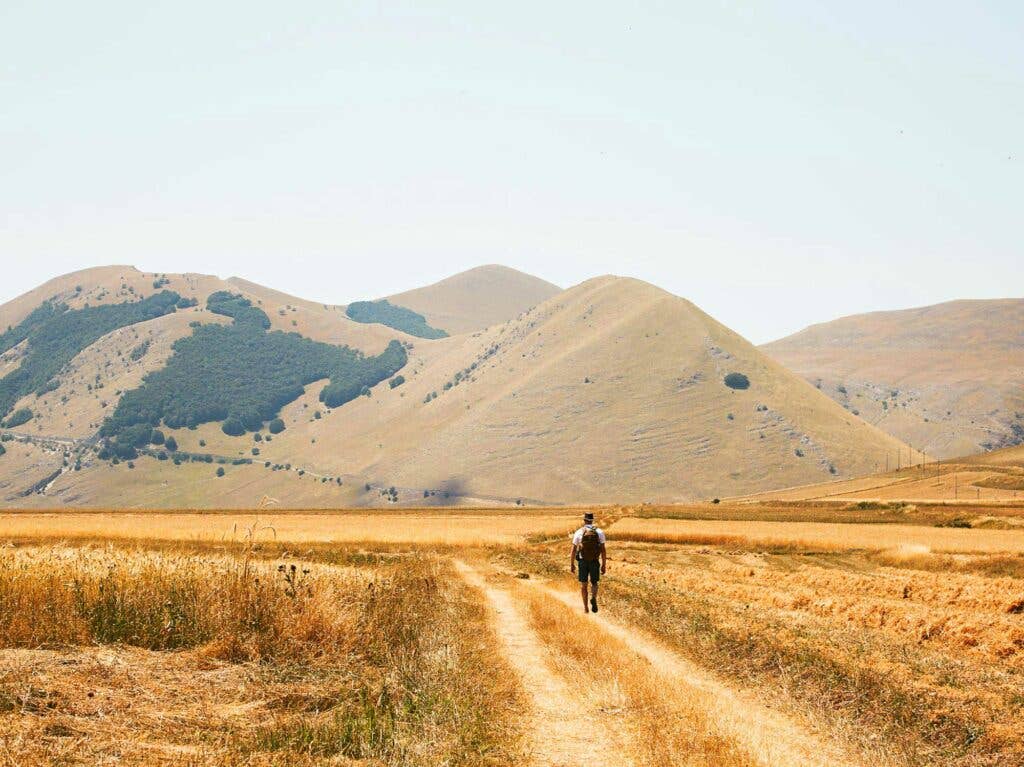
777 163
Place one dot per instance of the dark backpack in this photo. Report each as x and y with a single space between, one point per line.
590 544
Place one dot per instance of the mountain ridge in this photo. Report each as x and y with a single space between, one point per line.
611 391
948 378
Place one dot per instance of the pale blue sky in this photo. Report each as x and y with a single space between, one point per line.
777 163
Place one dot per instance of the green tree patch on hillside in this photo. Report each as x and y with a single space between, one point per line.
139 351
398 317
56 334
18 418
15 334
242 375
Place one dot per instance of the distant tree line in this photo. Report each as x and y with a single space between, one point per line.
397 317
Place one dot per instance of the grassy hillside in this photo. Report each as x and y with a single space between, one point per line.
948 379
55 334
242 375
613 391
477 298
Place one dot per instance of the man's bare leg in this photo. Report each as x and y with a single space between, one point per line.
586 602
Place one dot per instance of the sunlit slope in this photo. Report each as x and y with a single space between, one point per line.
477 298
995 478
92 383
66 418
321 322
612 391
948 379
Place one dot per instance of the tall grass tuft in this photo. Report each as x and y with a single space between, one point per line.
238 609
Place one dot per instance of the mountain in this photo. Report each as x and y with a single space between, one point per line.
947 379
611 391
477 298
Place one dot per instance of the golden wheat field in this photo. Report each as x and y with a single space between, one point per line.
436 638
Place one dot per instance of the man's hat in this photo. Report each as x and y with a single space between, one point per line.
588 517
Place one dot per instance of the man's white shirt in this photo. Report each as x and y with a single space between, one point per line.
577 537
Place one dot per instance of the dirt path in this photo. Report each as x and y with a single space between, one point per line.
767 735
562 732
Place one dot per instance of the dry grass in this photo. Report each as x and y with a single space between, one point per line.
669 727
991 565
906 640
237 607
370 529
433 693
391 662
916 667
817 535
835 510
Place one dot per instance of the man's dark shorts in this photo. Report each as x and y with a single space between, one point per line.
591 570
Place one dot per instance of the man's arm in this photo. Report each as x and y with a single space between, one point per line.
604 559
572 560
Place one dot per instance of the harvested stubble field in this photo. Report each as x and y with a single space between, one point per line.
426 638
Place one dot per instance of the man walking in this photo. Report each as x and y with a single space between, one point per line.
588 555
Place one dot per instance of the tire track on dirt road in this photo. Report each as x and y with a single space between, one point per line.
561 732
769 736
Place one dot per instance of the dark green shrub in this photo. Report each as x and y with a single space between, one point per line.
397 381
171 444
139 351
737 381
220 471
276 426
157 437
